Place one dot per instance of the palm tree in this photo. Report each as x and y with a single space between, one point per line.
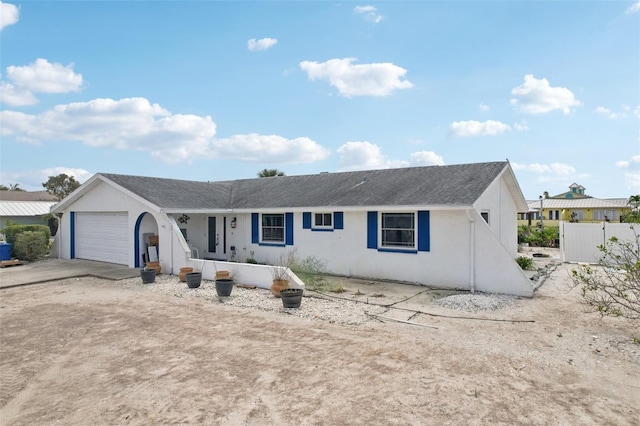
15 187
634 200
270 173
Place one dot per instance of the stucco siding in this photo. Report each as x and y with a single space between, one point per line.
345 251
105 198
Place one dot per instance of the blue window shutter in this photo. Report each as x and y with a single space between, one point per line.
424 238
306 220
372 230
72 234
338 220
255 228
288 228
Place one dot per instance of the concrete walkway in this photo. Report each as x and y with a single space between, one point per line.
59 269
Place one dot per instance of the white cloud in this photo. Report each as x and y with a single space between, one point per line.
624 112
477 128
554 173
369 12
426 158
634 8
557 169
608 113
40 76
361 156
537 97
9 14
45 77
262 44
136 124
632 177
364 155
522 126
484 107
32 180
14 96
256 148
376 79
634 163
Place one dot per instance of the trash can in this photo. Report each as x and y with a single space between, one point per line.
5 251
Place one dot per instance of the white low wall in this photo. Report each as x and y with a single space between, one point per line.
243 273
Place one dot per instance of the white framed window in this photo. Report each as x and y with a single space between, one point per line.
323 220
273 228
577 214
398 230
605 214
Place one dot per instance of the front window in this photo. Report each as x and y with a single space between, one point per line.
273 228
605 215
322 219
398 230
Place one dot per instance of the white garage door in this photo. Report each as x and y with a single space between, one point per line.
103 237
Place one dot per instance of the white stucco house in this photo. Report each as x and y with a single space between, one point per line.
444 226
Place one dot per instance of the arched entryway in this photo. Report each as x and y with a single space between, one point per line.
146 227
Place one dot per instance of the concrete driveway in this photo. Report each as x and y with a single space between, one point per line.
58 269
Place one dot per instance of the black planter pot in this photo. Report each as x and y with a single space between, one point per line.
291 297
224 287
148 276
193 279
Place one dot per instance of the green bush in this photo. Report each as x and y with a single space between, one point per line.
11 232
30 246
526 263
545 238
310 270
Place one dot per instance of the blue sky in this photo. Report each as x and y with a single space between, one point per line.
220 90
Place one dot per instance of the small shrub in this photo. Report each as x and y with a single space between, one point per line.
545 238
251 260
11 232
310 270
30 246
337 289
526 263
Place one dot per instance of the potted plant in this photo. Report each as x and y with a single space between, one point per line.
291 297
280 271
194 279
148 275
224 286
224 282
183 272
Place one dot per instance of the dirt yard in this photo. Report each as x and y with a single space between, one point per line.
92 352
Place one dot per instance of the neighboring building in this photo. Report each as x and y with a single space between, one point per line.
25 208
575 191
574 206
443 226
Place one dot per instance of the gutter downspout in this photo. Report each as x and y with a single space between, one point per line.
171 230
59 234
472 251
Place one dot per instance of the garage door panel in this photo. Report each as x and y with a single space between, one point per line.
102 237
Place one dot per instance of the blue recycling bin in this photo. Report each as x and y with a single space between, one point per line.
5 251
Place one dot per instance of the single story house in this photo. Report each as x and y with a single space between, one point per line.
444 226
26 208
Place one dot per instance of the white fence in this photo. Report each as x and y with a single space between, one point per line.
579 241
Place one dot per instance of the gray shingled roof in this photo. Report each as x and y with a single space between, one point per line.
456 185
26 196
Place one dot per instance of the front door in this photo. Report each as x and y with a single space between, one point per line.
217 240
